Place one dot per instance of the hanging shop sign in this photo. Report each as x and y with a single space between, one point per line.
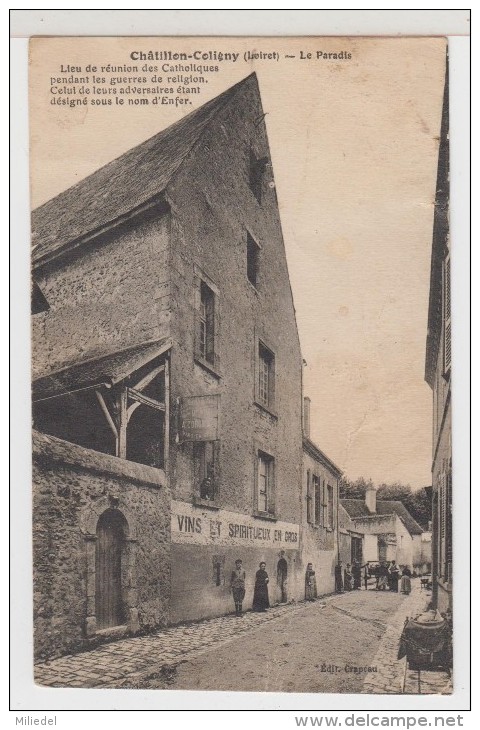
199 418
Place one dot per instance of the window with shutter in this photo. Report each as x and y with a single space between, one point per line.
318 500
206 322
265 498
309 499
330 507
265 390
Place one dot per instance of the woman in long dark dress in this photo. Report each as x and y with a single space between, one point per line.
357 575
260 594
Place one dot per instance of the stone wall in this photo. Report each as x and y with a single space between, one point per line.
112 294
319 543
72 487
213 210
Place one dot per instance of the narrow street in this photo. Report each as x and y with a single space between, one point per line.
345 643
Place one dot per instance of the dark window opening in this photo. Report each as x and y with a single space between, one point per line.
77 418
256 175
253 256
90 417
145 442
205 469
206 324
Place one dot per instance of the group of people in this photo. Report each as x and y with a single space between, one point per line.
261 600
387 576
348 578
260 593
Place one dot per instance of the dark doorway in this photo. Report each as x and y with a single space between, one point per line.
110 543
282 572
357 552
382 550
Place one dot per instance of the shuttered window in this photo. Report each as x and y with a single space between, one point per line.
265 488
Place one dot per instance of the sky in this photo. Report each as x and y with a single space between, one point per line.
354 147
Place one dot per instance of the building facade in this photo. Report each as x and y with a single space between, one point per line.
167 383
320 503
438 376
388 530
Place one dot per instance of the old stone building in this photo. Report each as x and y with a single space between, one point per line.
320 504
438 376
388 531
167 383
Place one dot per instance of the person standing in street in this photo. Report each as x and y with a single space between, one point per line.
405 582
357 576
382 577
339 577
282 573
260 594
393 576
237 586
348 578
310 583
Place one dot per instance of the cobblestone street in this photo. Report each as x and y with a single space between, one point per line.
306 647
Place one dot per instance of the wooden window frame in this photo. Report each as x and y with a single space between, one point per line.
269 461
265 377
206 322
199 456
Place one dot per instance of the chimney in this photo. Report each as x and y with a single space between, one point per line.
306 416
371 499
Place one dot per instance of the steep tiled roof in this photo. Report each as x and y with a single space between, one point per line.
109 369
123 185
357 508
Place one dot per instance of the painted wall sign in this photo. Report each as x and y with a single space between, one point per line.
199 418
198 526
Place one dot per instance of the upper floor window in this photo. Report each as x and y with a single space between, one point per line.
205 469
310 517
329 506
206 321
256 174
265 483
266 376
317 499
253 256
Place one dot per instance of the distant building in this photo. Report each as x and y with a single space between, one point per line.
319 509
389 531
438 376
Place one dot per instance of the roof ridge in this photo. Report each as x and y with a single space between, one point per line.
130 180
222 98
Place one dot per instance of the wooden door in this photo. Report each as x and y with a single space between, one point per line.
108 570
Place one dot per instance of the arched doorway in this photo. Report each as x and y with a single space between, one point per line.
109 559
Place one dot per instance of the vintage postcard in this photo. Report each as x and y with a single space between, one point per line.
242 474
